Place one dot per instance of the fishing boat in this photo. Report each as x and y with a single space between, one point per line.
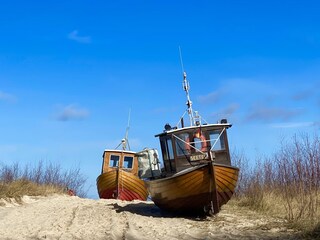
119 175
197 176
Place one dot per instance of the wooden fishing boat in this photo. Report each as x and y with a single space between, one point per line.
197 176
119 175
119 178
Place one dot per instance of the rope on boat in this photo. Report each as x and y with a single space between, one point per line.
189 144
215 142
186 156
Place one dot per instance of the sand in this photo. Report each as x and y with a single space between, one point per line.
71 217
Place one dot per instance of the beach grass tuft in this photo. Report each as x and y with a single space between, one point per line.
41 179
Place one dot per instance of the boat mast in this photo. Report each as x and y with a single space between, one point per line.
186 88
193 116
125 141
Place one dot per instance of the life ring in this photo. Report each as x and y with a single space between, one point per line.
202 139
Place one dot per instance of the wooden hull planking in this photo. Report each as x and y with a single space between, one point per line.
121 185
190 191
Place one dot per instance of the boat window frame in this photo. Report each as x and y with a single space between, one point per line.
195 145
181 138
118 161
132 162
221 139
168 153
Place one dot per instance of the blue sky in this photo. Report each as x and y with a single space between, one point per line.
70 71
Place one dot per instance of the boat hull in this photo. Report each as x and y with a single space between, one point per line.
194 190
120 184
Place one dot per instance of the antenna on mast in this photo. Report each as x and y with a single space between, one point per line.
125 140
181 62
186 88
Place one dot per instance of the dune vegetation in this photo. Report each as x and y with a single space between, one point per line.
286 184
41 179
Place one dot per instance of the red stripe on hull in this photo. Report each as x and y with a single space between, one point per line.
123 194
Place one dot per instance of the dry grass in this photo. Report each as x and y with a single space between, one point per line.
17 189
39 180
286 185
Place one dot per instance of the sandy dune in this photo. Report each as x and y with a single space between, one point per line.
65 217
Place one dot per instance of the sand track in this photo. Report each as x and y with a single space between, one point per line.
65 217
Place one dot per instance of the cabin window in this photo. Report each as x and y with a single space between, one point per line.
218 142
114 161
181 144
168 150
167 153
127 162
197 142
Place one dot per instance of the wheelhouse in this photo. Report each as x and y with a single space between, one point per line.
114 159
189 146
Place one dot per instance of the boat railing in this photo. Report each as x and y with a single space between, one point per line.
197 119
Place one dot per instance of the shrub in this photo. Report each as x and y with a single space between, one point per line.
289 179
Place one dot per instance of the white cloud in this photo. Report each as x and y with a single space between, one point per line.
292 125
74 35
231 109
264 113
211 97
7 97
72 112
302 95
227 112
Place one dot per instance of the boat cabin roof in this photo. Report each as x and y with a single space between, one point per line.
119 159
204 126
119 151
